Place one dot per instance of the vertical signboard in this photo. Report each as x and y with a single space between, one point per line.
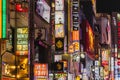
75 24
59 25
22 41
59 44
105 57
59 30
22 70
75 14
0 18
3 18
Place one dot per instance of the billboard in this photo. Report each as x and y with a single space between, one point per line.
43 9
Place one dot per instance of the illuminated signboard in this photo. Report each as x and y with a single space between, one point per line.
22 41
40 71
3 18
23 66
20 9
59 17
59 30
105 57
76 46
61 76
75 35
75 14
43 9
59 4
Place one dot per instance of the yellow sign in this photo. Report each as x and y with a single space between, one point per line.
59 44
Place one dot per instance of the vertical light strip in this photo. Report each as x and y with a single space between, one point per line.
4 18
0 18
69 20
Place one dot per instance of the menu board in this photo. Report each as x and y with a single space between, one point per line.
22 41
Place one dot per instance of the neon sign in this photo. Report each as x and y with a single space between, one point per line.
3 18
20 9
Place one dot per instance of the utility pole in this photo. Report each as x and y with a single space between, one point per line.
31 37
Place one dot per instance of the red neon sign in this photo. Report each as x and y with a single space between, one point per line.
19 8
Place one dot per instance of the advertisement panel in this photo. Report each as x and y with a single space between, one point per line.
22 41
59 44
59 4
59 30
59 17
105 57
22 69
43 9
40 71
58 66
75 35
61 76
